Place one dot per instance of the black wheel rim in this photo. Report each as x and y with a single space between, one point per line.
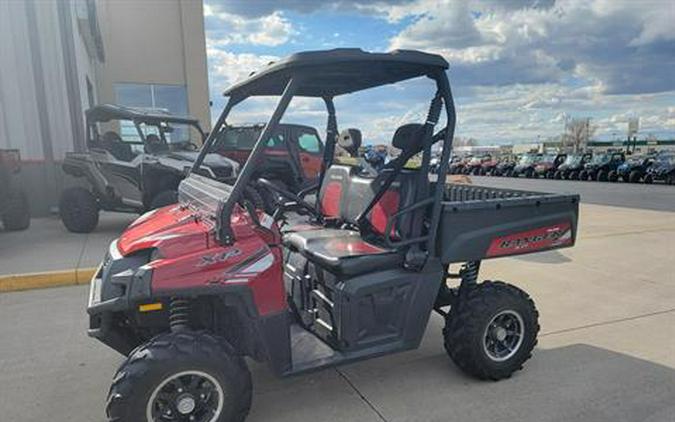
503 335
190 396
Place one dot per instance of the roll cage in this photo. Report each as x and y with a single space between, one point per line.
329 74
108 112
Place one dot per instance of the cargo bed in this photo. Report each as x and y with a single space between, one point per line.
481 222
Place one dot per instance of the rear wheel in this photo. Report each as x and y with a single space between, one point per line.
492 330
634 176
573 176
557 175
185 376
583 175
613 176
16 215
601 176
529 173
78 210
649 179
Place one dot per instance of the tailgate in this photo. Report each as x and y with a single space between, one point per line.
479 223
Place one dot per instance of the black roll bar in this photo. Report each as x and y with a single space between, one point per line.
224 230
446 93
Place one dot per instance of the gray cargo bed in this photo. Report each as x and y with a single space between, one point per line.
480 222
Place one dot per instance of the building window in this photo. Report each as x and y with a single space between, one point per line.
156 97
170 98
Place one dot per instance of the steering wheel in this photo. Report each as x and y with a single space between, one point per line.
294 200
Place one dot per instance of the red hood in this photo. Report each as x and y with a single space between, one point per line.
171 229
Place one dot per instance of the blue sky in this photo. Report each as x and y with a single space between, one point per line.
518 68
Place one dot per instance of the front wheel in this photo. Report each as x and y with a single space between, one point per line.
492 330
78 209
185 376
634 177
613 176
601 176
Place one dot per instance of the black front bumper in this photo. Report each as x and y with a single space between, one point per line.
117 286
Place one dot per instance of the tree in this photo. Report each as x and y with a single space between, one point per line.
578 132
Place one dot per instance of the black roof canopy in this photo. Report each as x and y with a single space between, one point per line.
107 112
339 71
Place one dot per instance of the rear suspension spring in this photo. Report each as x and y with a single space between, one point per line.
179 314
469 276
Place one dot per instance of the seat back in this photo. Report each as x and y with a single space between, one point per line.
399 195
344 195
333 191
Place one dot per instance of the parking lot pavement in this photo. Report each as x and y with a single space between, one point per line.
606 350
48 246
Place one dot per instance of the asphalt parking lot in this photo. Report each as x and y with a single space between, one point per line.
606 349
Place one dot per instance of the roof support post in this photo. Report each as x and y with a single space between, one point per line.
225 235
206 146
446 92
331 137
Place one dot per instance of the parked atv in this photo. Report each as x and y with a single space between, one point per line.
526 165
548 165
458 166
506 166
572 166
134 166
663 169
634 169
187 292
489 166
603 167
292 157
475 165
14 211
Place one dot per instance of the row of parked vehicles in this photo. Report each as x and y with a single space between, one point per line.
605 167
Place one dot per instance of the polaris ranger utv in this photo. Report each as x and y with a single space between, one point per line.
526 165
634 169
135 165
602 167
189 290
573 165
662 169
14 211
548 165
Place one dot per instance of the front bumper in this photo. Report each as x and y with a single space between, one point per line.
118 284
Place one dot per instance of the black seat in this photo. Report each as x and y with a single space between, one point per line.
113 143
342 252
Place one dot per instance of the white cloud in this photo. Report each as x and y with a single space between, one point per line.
225 28
619 46
227 68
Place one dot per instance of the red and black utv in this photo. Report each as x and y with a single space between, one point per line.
189 290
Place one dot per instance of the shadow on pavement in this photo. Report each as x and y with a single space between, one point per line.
551 257
574 383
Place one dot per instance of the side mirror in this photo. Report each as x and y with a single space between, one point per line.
350 140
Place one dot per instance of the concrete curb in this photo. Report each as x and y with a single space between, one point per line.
18 282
